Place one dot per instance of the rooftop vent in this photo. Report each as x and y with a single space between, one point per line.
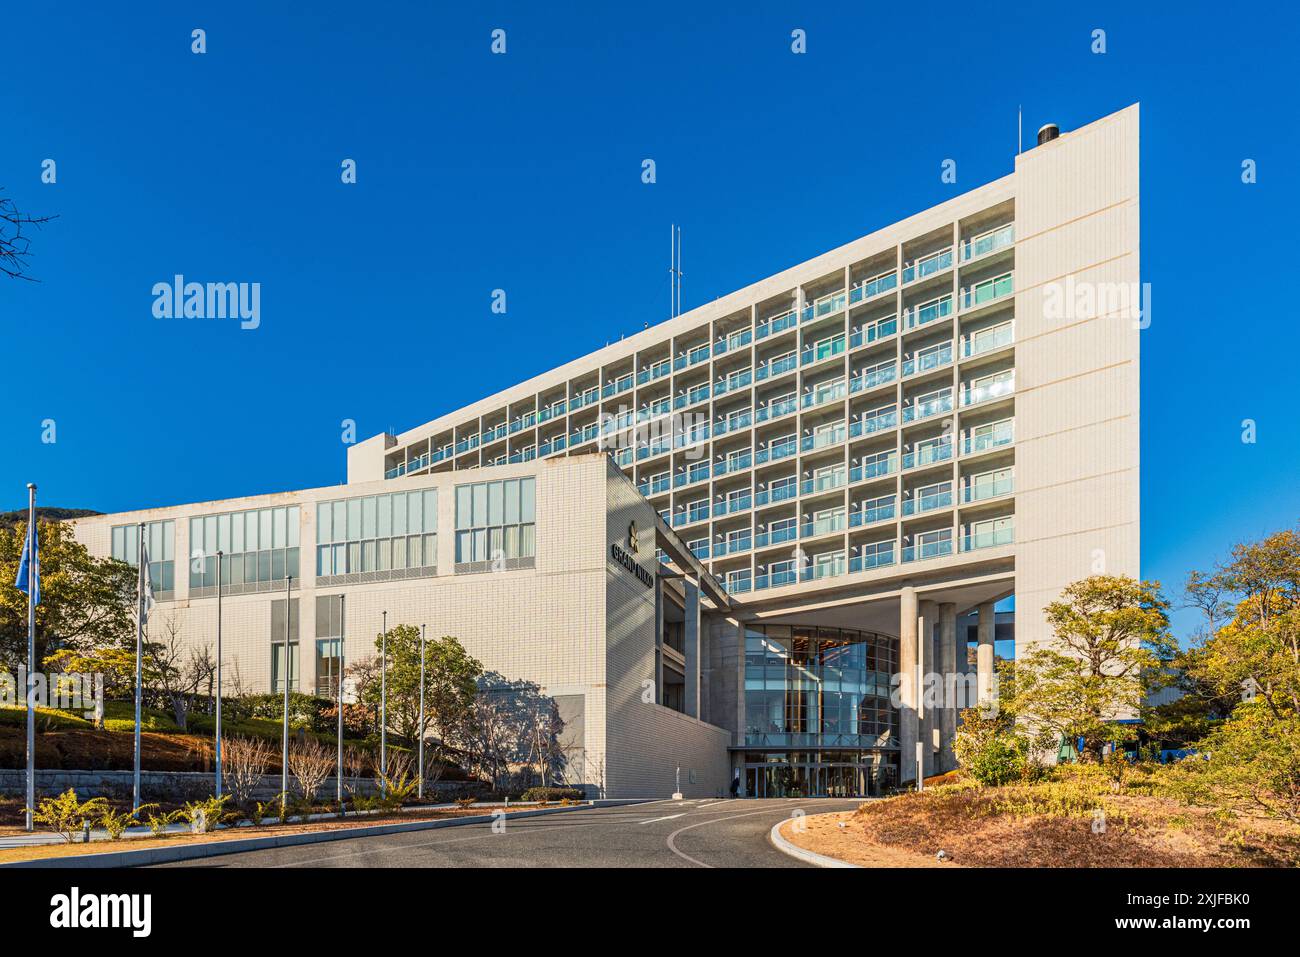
1047 133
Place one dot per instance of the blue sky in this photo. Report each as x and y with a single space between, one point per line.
521 172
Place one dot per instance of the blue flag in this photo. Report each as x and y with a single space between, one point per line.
31 553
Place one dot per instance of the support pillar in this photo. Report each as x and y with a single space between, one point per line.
984 651
928 618
908 727
659 640
691 639
948 667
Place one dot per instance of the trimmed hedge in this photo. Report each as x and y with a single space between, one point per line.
554 794
45 718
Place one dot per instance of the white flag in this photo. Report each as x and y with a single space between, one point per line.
147 581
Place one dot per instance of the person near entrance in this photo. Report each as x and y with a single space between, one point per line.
735 784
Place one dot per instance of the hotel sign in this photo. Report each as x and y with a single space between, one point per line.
627 558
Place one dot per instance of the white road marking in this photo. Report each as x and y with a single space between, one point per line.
667 818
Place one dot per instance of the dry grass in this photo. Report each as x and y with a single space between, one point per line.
1048 824
43 851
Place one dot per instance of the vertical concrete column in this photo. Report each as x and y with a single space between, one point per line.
691 639
984 651
659 640
929 616
948 666
908 727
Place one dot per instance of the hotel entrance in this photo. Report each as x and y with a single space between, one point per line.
795 774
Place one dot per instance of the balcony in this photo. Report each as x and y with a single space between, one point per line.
698 393
928 502
928 455
734 463
873 331
931 265
821 440
875 559
734 423
935 549
869 425
737 340
656 371
778 493
696 473
776 536
994 437
875 286
737 380
780 450
983 392
660 483
739 503
885 464
874 376
732 546
822 483
935 358
822 350
696 355
770 327
590 397
990 290
1000 536
778 408
825 306
979 491
774 367
988 340
823 526
928 312
989 242
874 513
822 394
927 407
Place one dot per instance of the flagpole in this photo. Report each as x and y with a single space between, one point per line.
32 560
139 670
383 708
220 556
420 793
284 757
338 772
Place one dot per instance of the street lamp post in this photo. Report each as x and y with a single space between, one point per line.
217 743
383 708
284 755
420 789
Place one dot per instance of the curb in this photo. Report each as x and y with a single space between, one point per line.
808 857
188 852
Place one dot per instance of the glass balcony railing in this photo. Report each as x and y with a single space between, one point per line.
932 359
735 463
916 553
928 502
824 350
1000 434
868 425
873 377
787 576
776 536
823 526
731 383
774 367
696 473
872 514
737 340
740 503
777 493
776 324
988 390
696 394
979 490
657 371
825 306
730 547
928 455
928 312
734 423
1001 536
776 409
987 340
662 483
822 483
870 288
988 242
931 265
821 440
987 291
884 465
873 331
590 397
780 450
828 392
925 408
874 559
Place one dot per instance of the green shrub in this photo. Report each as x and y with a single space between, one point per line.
116 824
49 719
991 750
64 814
554 794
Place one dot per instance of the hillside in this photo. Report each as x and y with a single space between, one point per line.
44 512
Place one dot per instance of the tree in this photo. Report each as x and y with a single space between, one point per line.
117 665
174 669
514 727
1111 643
1249 655
310 764
15 246
991 747
451 676
87 603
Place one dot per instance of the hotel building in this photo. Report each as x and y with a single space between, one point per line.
741 523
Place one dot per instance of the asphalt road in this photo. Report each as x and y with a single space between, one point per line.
702 833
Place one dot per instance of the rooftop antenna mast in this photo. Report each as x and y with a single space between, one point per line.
1020 136
675 271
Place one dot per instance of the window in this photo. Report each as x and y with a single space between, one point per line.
160 542
277 645
260 547
329 644
496 521
393 535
